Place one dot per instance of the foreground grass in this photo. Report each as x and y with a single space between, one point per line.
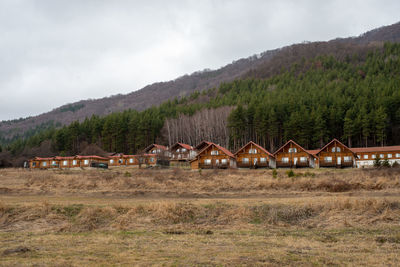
249 247
210 218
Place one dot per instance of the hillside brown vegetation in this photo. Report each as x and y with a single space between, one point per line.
180 217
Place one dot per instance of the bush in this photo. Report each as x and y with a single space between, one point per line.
274 173
290 173
386 163
127 174
377 162
395 165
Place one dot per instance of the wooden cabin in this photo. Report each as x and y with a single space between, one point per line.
181 154
252 155
366 156
91 161
214 157
43 163
292 155
336 154
131 160
69 162
116 160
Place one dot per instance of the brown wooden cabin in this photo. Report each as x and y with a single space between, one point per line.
366 156
116 160
130 160
87 161
43 163
337 155
68 162
214 156
292 155
252 155
181 154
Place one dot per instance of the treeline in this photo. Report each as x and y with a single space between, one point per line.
357 101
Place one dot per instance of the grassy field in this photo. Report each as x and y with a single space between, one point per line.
126 217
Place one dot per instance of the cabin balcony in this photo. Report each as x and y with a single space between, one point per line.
214 166
284 164
252 165
327 164
332 164
302 164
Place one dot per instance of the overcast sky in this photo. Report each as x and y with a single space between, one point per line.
54 52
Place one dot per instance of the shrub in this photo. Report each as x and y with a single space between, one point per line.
274 173
127 174
395 164
290 173
386 163
377 162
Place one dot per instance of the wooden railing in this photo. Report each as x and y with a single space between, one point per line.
335 164
252 165
214 166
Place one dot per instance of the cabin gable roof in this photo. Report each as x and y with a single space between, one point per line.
256 145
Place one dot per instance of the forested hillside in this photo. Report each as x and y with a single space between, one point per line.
354 97
261 66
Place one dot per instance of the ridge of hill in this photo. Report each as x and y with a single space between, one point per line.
263 65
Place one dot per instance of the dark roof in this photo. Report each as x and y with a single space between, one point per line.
375 149
334 140
207 143
258 146
156 146
223 149
188 147
291 141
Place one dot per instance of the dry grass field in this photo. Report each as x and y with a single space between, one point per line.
128 217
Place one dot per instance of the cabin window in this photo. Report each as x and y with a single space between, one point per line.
34 164
365 156
130 160
347 159
253 151
303 159
224 161
285 160
292 150
389 156
151 159
397 155
263 160
381 156
207 161
184 150
86 162
65 162
245 160
44 164
120 161
53 163
358 156
373 156
111 161
328 159
335 149
214 152
74 162
177 151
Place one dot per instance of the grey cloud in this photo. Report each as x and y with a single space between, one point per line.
55 52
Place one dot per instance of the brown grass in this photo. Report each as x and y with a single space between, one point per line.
155 217
186 183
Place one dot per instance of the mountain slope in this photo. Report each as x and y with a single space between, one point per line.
261 66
